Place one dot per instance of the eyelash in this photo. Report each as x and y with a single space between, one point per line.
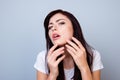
60 23
50 27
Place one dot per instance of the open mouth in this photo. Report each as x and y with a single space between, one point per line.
55 36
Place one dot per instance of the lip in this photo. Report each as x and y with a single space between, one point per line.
55 36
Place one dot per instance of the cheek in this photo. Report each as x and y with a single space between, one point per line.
50 35
68 33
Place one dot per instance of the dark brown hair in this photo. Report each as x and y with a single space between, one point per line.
77 34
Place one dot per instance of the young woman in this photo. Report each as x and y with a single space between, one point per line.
68 56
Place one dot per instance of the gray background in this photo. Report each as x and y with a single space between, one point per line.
22 33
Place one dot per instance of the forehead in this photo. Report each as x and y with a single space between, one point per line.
58 16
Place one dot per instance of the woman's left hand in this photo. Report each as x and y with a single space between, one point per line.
78 52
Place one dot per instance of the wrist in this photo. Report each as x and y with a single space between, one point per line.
85 69
86 73
52 76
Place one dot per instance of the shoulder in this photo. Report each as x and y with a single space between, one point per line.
42 54
96 53
41 57
97 61
40 63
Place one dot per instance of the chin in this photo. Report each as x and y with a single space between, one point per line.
60 43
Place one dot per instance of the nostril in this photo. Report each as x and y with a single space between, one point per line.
53 28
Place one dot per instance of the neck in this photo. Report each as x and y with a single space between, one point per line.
68 62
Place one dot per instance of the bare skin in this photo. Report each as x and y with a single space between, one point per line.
71 52
72 48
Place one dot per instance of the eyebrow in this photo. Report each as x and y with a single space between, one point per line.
56 21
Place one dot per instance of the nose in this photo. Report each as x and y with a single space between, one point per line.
54 28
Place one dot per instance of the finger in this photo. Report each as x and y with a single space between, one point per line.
72 44
52 49
70 48
70 52
58 52
54 58
60 59
59 49
55 52
78 43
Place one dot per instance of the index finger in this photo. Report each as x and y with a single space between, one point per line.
53 48
78 43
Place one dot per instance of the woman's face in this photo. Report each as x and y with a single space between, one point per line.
60 29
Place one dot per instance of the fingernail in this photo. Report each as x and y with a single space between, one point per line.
72 37
66 45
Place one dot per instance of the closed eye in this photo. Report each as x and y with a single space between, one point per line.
61 23
49 27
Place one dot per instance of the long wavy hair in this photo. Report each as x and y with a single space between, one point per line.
77 34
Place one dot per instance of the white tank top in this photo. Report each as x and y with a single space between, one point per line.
69 73
41 64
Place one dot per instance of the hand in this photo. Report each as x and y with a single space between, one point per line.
77 51
53 61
